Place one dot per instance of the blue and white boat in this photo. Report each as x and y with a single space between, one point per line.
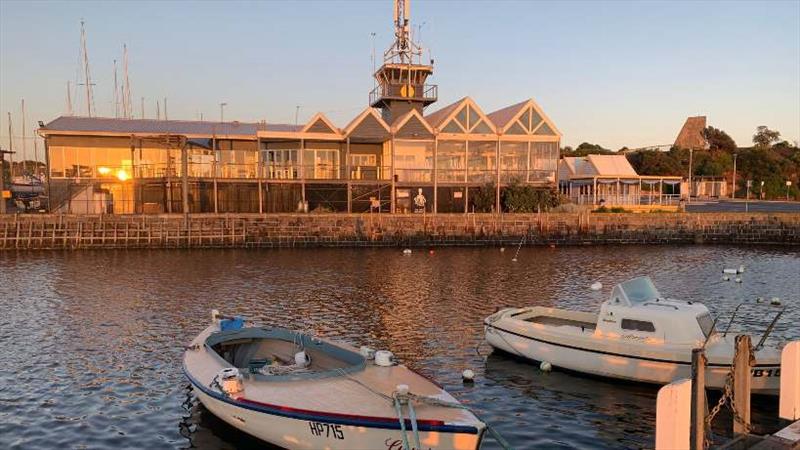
301 392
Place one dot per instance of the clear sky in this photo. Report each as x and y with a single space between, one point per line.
614 73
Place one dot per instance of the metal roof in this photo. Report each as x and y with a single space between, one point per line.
151 126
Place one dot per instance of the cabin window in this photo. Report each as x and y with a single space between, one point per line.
706 323
638 325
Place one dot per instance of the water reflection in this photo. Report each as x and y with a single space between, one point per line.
93 340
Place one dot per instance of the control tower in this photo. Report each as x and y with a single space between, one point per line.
401 79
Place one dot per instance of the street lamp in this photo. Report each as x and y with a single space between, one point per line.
733 193
691 188
788 185
761 191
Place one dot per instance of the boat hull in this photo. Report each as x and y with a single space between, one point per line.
654 370
303 430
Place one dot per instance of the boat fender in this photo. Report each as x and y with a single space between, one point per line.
384 358
730 271
545 366
407 251
738 280
741 269
302 359
726 278
367 352
230 381
759 299
596 286
775 301
468 376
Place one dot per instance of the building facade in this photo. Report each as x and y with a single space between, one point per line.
392 157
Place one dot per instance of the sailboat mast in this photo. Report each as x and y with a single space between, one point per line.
69 99
126 98
87 77
24 139
116 92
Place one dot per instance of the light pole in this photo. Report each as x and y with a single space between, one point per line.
761 191
788 185
222 112
733 192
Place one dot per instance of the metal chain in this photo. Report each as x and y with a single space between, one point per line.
727 397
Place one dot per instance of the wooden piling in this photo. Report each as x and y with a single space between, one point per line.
741 383
698 413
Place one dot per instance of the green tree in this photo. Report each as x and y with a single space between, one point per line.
764 137
719 140
586 148
653 162
483 198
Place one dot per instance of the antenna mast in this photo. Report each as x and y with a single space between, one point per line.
69 99
126 98
116 92
404 49
87 77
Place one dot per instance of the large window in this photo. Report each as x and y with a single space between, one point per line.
481 165
281 164
513 161
451 161
544 161
321 164
413 161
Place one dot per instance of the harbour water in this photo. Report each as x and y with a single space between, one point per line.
91 341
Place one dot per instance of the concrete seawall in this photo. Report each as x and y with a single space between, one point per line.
355 230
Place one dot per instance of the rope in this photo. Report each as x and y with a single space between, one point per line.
402 423
413 416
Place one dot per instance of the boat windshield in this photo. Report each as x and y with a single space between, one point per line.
706 323
640 290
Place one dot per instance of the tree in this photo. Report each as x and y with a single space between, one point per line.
483 199
653 162
764 137
719 140
586 149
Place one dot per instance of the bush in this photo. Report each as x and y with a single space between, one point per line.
483 199
524 198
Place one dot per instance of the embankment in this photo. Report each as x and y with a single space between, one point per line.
355 230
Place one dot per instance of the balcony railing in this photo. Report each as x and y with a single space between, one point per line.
428 93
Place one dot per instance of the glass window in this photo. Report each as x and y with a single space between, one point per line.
451 161
482 128
481 165
525 119
452 127
281 164
638 325
321 163
545 130
461 117
413 161
473 118
513 161
56 162
706 324
639 290
516 129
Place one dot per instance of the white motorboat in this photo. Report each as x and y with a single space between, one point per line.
302 392
637 335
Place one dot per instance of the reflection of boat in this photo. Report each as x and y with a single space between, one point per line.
638 335
297 391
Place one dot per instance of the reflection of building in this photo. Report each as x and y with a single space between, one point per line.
379 161
611 180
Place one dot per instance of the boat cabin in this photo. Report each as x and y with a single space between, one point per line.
637 311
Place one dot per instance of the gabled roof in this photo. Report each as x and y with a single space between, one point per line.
320 124
537 122
612 165
410 122
369 116
109 125
442 118
436 118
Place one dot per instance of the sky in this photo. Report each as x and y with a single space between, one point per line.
615 73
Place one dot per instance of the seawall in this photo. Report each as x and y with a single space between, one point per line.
356 230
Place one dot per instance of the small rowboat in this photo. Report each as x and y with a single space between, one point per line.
301 392
637 335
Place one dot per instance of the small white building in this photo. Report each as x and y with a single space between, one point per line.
610 180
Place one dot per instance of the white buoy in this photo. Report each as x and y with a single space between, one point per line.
502 249
775 301
759 299
730 271
596 286
738 280
545 366
741 269
407 251
513 259
468 375
726 278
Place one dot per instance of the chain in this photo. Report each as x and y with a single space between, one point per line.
727 397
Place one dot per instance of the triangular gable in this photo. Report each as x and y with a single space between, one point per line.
526 115
368 125
412 126
435 119
320 124
464 116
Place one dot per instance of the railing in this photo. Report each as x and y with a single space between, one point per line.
622 200
426 92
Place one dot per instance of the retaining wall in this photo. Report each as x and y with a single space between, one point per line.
312 230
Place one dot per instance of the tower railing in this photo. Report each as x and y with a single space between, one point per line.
400 90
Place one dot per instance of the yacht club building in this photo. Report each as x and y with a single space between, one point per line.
395 156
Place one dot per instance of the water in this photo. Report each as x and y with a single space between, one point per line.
92 341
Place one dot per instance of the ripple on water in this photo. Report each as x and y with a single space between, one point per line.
93 340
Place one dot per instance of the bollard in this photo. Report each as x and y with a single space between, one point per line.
698 406
741 383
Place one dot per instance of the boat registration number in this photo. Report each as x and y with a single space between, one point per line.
766 373
327 430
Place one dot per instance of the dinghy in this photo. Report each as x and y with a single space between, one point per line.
638 335
301 392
